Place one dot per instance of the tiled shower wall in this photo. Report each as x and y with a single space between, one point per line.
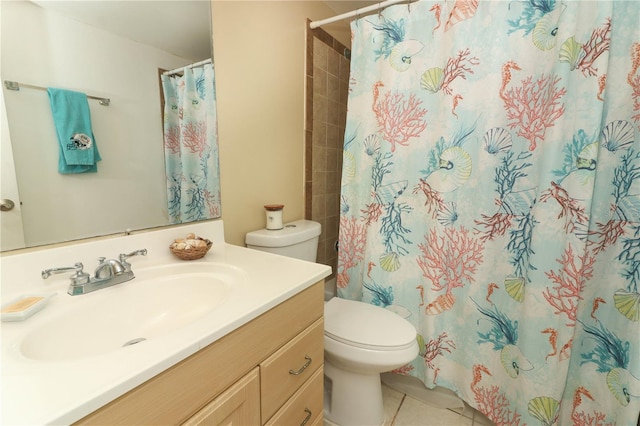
327 90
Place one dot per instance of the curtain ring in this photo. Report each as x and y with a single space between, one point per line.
379 10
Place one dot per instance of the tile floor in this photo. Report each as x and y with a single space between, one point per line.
403 410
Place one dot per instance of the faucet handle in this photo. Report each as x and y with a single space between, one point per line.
79 277
123 257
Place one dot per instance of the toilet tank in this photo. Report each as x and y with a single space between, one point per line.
297 239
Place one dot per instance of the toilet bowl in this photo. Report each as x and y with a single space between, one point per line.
360 340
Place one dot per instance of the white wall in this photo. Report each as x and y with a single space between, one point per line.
45 49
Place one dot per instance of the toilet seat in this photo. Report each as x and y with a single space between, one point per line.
366 326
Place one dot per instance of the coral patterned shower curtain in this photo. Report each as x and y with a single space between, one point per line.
191 145
491 196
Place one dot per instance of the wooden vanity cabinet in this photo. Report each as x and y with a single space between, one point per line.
248 377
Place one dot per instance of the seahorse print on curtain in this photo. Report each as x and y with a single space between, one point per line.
491 196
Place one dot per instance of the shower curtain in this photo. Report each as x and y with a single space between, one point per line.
191 145
491 196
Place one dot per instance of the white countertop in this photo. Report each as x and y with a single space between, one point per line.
38 392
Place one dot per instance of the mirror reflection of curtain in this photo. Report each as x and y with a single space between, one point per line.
191 145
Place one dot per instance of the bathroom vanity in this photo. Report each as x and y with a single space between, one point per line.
247 376
254 355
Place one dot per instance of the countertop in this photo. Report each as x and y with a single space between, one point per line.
61 392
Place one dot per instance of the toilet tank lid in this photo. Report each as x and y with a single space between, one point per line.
292 233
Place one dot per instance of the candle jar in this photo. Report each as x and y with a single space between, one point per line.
274 216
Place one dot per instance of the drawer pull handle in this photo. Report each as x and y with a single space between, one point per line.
304 367
306 419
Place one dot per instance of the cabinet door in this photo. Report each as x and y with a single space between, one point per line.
238 405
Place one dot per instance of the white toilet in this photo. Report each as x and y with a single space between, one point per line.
360 340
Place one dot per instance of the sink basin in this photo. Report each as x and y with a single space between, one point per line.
158 301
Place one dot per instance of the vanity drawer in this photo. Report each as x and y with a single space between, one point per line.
306 404
282 374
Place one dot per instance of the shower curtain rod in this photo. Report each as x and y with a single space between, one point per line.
197 64
357 12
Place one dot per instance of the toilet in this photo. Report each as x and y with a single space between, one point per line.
360 340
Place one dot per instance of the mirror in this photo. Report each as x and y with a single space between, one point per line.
106 49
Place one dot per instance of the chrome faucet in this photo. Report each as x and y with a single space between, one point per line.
109 272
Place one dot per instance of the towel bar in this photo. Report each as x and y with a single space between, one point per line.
14 85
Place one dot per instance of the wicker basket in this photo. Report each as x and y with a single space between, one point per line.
192 253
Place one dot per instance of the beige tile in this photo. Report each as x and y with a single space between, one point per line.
332 159
320 82
412 413
333 62
331 213
319 185
334 138
319 135
333 113
320 53
332 259
328 423
478 417
344 92
332 88
319 158
318 209
333 185
345 65
320 108
402 410
391 400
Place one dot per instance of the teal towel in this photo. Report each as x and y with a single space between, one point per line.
72 119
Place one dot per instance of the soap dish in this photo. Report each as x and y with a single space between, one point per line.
24 306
